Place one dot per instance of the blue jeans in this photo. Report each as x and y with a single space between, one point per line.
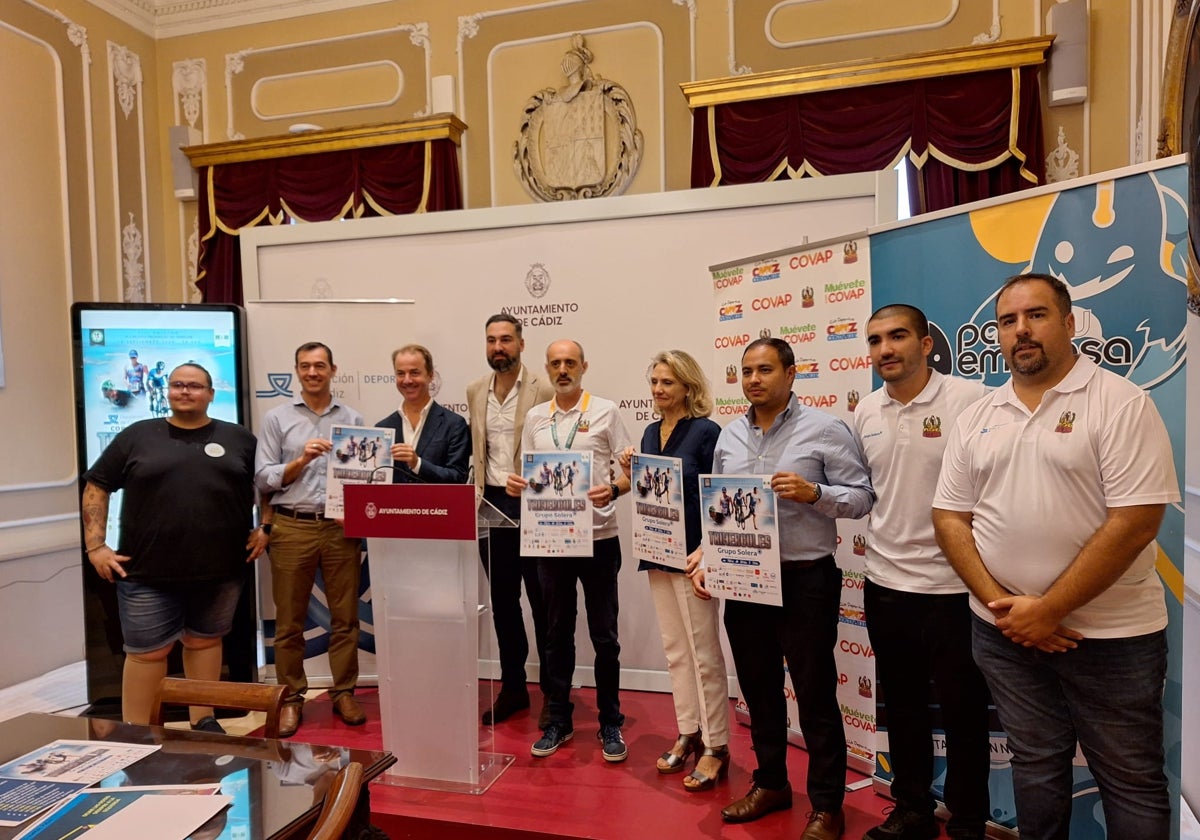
1107 695
154 616
598 575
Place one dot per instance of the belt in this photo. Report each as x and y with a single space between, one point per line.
806 564
307 516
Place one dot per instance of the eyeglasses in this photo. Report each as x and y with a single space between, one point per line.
188 386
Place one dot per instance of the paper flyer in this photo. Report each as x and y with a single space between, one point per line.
361 455
741 538
659 532
556 516
35 781
88 809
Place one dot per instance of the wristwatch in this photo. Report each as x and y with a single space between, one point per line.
816 498
615 489
266 528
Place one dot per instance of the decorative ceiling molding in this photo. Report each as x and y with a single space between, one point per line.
166 18
860 73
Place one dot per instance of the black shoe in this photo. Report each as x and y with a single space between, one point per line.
209 724
506 706
552 738
903 824
614 744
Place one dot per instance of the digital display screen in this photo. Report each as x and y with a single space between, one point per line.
124 354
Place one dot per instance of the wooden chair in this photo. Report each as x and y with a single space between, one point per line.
251 697
340 803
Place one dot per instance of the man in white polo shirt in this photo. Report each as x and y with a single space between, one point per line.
1050 496
918 617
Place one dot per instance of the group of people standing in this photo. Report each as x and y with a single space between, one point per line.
1012 558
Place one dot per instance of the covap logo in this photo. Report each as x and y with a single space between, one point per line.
281 386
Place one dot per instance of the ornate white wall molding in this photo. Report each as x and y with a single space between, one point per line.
387 66
1062 164
189 82
127 76
166 18
235 64
192 293
735 69
133 271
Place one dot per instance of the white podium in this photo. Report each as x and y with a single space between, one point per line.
422 540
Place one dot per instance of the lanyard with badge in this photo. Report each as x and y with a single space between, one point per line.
584 401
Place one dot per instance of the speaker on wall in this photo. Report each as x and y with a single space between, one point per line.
1067 20
182 173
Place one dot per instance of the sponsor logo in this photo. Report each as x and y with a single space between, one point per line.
808 369
864 686
765 332
856 648
809 259
931 426
841 329
1066 423
798 334
977 350
730 310
766 271
723 341
370 510
541 314
731 406
537 280
763 304
818 400
841 292
860 545
850 252
850 363
852 399
727 278
96 338
281 386
731 375
806 298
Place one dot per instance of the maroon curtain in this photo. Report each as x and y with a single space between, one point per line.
971 135
383 180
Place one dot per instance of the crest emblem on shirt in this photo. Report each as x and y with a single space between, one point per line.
860 545
852 398
931 426
584 425
1066 423
807 297
864 686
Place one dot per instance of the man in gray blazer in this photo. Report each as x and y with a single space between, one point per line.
497 405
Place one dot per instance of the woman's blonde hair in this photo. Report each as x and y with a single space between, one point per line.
698 402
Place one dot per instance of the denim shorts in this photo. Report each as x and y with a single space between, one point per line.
153 617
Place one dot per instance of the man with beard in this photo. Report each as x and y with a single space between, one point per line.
1050 495
497 405
918 618
577 420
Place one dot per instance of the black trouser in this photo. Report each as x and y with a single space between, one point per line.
918 638
804 630
505 571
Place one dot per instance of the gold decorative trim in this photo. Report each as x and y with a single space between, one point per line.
849 74
438 127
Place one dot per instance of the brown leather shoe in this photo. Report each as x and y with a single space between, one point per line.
289 719
347 708
757 803
824 825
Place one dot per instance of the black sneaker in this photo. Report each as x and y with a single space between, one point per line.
209 724
614 744
903 824
553 737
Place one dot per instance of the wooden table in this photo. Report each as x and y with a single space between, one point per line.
278 786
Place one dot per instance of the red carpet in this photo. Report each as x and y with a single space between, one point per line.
575 793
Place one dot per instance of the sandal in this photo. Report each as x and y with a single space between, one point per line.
674 759
696 781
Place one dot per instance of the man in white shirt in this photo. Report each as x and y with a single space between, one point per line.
497 405
918 617
577 420
1051 493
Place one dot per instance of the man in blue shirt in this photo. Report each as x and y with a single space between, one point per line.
818 474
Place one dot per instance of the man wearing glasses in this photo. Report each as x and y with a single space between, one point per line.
186 529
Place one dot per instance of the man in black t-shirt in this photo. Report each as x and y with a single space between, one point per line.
186 530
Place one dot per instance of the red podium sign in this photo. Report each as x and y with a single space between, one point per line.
411 511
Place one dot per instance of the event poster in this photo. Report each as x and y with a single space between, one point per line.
87 810
659 533
1120 245
556 515
741 538
360 455
35 781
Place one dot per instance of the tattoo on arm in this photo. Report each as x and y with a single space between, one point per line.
94 508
